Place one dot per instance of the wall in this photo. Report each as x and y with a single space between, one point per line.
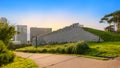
68 34
34 31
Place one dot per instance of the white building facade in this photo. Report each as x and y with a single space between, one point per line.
21 36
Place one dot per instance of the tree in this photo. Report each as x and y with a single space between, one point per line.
7 32
112 18
6 56
110 28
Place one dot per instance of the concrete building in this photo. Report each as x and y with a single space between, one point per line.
34 32
3 20
71 33
21 36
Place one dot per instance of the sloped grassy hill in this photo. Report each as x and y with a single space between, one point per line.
106 36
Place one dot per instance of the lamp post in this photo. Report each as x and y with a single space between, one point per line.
99 40
36 41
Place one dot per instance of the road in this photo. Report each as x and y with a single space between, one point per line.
66 61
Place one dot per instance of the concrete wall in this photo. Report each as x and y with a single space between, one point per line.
68 34
39 32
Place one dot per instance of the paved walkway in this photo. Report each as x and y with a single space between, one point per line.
65 61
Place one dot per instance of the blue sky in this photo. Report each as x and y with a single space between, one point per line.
57 13
100 6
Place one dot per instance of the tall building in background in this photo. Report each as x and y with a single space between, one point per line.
34 31
21 36
3 20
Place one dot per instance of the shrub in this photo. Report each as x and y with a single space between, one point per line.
68 48
77 48
80 48
60 50
44 50
13 46
6 56
51 50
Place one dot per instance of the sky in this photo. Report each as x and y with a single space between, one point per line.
57 14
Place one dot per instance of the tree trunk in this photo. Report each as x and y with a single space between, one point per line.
118 27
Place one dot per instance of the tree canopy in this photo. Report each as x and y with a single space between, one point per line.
113 19
7 32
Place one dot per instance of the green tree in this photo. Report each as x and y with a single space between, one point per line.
6 56
110 28
112 18
7 32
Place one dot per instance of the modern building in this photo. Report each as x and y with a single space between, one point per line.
34 32
21 36
70 33
3 20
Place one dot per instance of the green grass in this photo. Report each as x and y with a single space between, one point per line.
21 63
104 50
68 48
106 36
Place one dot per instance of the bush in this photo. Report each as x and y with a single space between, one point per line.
13 46
51 51
67 48
79 48
6 56
44 50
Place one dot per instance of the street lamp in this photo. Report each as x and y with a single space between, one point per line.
36 41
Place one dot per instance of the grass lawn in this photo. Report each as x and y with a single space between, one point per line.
106 36
21 63
103 50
